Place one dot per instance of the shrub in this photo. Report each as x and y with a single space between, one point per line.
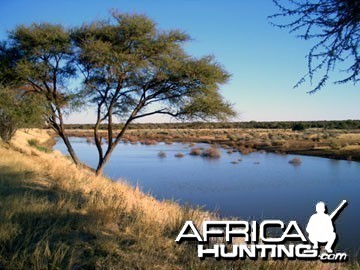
211 152
149 142
298 127
195 151
35 143
295 161
18 110
179 155
334 144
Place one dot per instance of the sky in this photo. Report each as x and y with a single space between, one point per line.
265 62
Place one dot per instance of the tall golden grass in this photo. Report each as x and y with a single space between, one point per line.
54 215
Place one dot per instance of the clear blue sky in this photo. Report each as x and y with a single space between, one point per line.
265 62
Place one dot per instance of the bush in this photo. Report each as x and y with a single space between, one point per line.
149 142
18 110
36 144
298 127
162 154
335 144
211 153
179 155
195 151
295 161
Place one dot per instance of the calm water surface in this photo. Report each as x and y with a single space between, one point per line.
261 186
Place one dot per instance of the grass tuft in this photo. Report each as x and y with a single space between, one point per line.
36 144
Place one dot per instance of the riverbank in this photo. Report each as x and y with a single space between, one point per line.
335 144
56 215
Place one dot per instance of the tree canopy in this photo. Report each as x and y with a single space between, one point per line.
41 61
129 69
334 25
132 70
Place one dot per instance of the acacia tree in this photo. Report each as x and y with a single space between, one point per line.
39 59
335 25
133 70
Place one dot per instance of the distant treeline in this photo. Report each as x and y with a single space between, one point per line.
298 125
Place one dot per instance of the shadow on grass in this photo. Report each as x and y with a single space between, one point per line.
42 226
45 227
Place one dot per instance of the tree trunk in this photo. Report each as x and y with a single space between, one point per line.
70 148
111 147
104 160
60 130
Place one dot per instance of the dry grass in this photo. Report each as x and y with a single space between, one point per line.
54 215
340 144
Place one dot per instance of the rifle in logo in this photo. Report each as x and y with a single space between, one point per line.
320 226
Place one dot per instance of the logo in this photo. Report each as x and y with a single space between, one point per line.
250 239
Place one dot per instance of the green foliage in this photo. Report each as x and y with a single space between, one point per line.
36 144
18 110
131 64
344 124
130 69
8 59
45 64
298 127
41 58
133 70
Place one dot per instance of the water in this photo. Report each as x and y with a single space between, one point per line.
261 186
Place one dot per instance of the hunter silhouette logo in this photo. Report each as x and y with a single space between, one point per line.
249 239
320 227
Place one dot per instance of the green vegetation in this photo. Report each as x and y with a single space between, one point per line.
298 127
128 69
131 65
18 110
335 124
35 143
39 61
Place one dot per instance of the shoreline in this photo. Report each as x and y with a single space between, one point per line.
332 148
55 213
